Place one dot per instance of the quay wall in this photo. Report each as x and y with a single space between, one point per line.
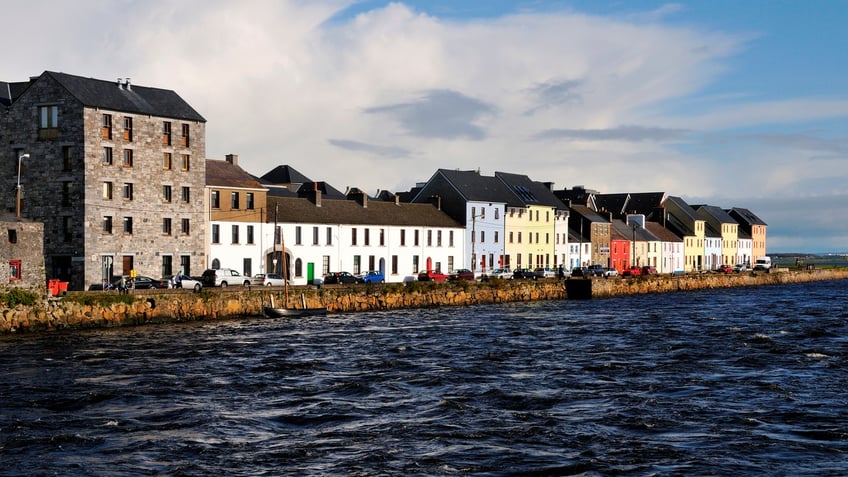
161 306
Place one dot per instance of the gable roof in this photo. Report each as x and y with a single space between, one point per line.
128 98
662 233
745 216
716 213
472 186
9 92
346 211
528 191
225 174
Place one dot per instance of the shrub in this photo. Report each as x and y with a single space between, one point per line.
100 299
18 296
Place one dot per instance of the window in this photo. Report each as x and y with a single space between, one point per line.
235 234
314 235
185 227
357 264
167 265
185 264
249 200
166 226
66 229
128 225
184 141
216 199
394 264
496 236
402 237
482 236
234 200
298 267
166 161
250 234
49 122
415 240
107 191
329 236
66 194
67 158
107 156
14 269
247 267
415 264
107 224
128 157
186 161
128 191
13 236
353 236
497 213
298 236
325 264
166 193
216 233
166 133
106 126
186 194
128 129
438 238
429 238
367 236
382 237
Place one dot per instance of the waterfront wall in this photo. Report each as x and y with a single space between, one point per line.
160 306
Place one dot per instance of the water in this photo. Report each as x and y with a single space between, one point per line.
727 382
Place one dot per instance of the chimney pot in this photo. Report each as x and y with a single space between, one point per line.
232 159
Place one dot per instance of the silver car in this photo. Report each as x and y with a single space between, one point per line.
183 281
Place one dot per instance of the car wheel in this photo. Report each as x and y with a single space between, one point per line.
197 287
223 284
246 283
268 284
382 281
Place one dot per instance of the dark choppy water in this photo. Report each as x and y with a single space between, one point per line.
726 382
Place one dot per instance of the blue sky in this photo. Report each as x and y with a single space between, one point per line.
736 104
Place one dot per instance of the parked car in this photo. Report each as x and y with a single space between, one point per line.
724 269
272 280
649 270
610 272
633 272
432 276
502 273
140 283
580 272
223 277
596 270
374 276
183 281
461 274
741 267
524 273
545 272
339 277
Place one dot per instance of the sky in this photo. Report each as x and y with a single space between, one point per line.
728 103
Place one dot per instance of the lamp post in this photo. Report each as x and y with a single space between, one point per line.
18 189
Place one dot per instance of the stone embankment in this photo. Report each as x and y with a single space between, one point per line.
94 309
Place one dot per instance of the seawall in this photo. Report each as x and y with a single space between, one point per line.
92 310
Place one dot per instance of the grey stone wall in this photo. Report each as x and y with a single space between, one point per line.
22 240
67 195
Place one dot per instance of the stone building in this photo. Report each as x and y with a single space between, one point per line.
115 171
22 250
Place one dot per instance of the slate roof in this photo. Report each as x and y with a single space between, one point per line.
662 233
684 207
224 174
95 93
9 92
345 211
745 216
717 213
644 202
283 175
615 203
474 187
530 192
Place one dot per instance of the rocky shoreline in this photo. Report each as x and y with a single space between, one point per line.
93 309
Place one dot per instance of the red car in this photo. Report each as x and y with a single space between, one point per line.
724 269
432 276
633 272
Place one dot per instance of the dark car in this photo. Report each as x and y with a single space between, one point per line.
596 270
432 276
461 274
580 272
524 273
339 277
649 270
141 283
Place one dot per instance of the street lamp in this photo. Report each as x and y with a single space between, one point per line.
18 190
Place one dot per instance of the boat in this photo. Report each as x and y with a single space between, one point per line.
272 311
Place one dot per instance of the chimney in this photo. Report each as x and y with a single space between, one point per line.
436 201
549 185
232 159
120 83
129 88
363 199
317 192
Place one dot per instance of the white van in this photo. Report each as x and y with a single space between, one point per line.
222 277
762 263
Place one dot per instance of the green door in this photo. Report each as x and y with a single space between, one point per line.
310 273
